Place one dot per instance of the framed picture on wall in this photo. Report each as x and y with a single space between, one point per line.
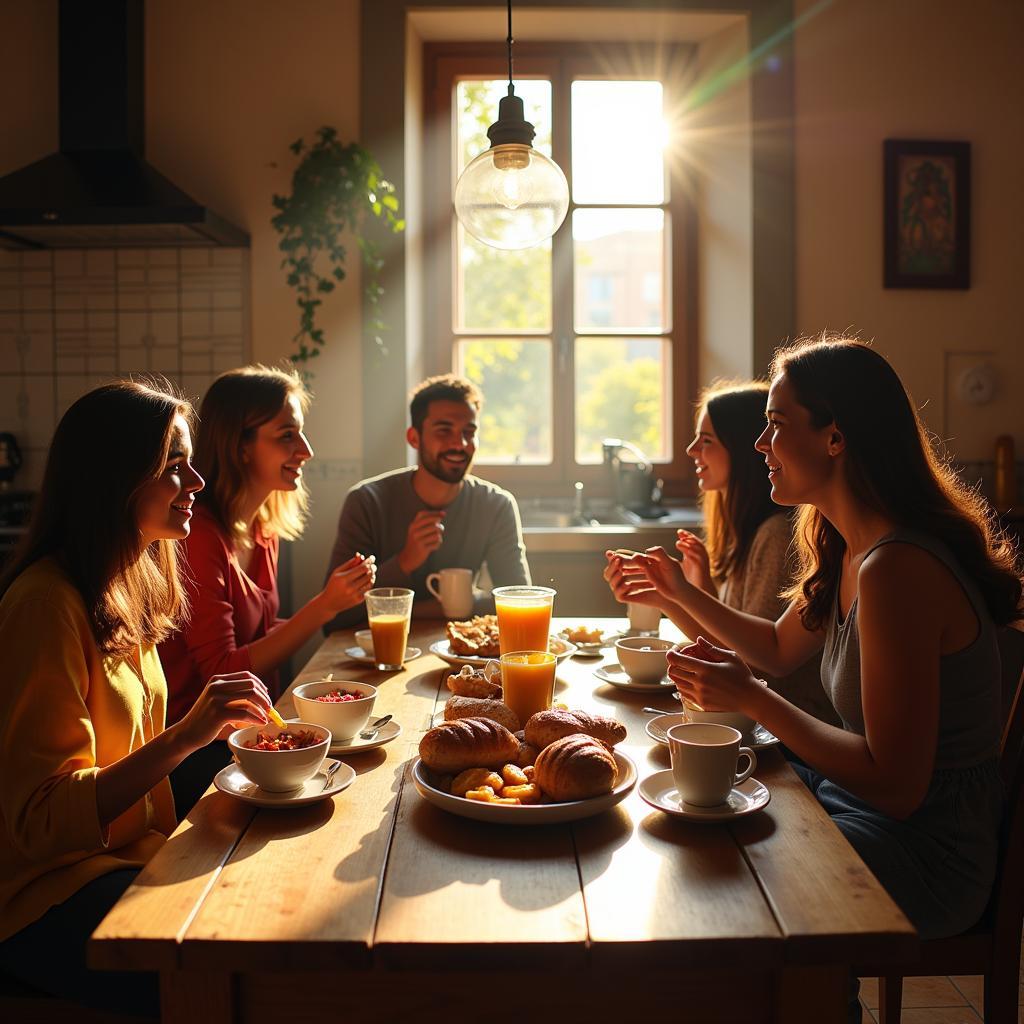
927 227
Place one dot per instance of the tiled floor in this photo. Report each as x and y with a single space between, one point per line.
956 1000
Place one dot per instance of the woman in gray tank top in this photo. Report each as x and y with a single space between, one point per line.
904 578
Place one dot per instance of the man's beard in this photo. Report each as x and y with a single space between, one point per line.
445 472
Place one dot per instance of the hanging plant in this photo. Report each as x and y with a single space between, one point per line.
334 189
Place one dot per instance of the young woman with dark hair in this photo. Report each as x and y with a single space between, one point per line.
746 558
251 449
904 578
84 755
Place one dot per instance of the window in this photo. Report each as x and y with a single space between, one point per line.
586 336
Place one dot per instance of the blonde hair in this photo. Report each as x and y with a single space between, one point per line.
237 404
131 591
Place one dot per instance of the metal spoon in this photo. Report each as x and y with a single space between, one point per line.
329 774
655 711
374 727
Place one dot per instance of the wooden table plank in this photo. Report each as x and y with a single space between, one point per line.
301 888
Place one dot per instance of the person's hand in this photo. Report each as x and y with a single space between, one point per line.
628 584
234 700
696 563
348 584
712 678
425 534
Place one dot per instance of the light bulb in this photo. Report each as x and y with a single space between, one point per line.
512 197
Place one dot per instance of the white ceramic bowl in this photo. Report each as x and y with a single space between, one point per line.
364 639
278 771
344 718
643 658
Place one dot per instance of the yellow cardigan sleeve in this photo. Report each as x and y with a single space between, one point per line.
47 744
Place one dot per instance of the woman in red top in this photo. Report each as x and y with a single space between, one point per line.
251 450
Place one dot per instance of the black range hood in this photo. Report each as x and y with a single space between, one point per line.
98 191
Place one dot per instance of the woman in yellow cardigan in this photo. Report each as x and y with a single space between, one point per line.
84 755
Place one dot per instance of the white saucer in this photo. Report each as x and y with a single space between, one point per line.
658 727
385 734
592 650
233 781
367 658
615 674
659 790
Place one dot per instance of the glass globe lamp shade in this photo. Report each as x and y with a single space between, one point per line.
512 197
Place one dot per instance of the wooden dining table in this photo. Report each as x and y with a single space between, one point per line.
376 906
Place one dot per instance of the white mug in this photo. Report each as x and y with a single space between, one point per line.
643 618
704 759
454 589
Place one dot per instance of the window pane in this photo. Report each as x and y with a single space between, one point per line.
620 270
476 109
515 378
502 290
623 389
618 137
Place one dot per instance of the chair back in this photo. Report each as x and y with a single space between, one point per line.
1007 904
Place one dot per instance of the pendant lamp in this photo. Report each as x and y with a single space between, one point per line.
511 196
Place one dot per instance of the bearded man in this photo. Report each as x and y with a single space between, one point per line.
434 515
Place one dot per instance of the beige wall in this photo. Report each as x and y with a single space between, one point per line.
868 70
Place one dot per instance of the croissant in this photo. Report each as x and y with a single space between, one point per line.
575 768
452 747
476 707
545 727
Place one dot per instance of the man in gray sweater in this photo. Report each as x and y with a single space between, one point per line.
435 515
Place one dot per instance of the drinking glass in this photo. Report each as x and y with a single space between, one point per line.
524 618
527 682
389 610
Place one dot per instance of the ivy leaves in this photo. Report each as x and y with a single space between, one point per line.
335 187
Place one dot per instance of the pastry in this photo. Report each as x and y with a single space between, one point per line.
475 638
545 727
470 683
452 747
478 707
575 768
527 755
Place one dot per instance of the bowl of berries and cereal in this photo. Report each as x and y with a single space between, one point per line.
280 759
342 706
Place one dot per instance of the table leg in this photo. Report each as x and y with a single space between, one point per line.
196 997
812 995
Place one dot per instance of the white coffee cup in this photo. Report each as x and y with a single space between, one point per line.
643 618
454 589
704 759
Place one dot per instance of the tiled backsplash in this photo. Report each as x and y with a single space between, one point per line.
72 319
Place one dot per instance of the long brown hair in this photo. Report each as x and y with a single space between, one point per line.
237 404
732 516
894 468
85 514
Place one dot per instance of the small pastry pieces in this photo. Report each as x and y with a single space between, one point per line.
468 682
583 634
545 727
575 768
476 637
452 747
477 707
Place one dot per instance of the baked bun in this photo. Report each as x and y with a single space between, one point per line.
468 683
545 727
476 707
527 755
452 747
575 768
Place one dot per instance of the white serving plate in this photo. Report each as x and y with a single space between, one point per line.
532 814
558 646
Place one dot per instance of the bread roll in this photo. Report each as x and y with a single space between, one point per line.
575 768
527 755
468 683
545 727
476 707
452 747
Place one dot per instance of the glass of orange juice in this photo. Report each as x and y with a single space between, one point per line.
527 682
389 610
524 618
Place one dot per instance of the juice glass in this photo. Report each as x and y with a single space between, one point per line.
527 682
389 610
524 618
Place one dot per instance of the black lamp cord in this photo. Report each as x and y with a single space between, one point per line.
511 91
